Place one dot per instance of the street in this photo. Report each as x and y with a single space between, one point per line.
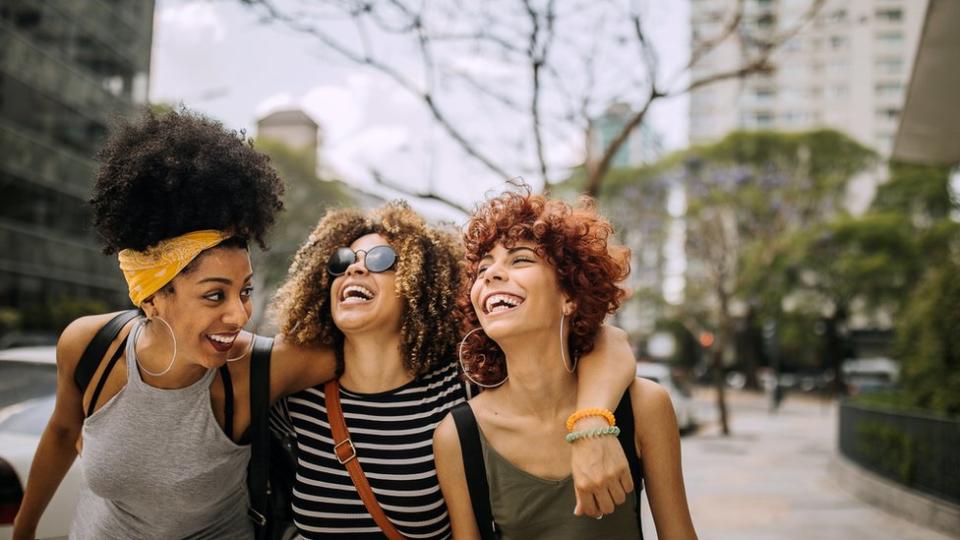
769 479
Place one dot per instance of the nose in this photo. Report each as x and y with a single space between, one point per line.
494 272
237 313
359 266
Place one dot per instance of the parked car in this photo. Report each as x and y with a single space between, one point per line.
28 385
683 405
869 375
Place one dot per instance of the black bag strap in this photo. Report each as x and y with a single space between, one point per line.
97 348
227 401
103 378
625 421
259 433
476 471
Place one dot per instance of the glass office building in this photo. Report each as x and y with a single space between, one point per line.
67 71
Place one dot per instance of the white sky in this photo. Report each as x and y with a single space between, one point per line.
215 57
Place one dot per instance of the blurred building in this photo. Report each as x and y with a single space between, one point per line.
293 128
643 146
67 70
847 69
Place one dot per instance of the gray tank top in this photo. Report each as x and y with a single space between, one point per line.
157 465
526 506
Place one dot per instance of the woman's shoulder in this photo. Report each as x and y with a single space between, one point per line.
652 407
78 334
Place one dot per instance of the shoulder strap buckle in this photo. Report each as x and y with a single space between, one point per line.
348 445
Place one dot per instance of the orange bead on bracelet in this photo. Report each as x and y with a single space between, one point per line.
596 411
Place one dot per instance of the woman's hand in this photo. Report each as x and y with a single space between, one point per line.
601 474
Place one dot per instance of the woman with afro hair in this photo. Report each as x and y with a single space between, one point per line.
543 276
161 427
381 288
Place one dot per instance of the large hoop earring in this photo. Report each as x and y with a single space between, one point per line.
172 360
563 357
248 349
464 369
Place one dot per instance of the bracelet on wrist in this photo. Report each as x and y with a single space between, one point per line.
574 436
593 411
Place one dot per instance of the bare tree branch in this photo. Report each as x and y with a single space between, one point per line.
538 53
379 178
405 83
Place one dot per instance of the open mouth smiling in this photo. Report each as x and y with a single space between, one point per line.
355 294
500 302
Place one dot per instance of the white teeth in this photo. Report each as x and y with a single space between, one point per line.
501 302
355 294
223 339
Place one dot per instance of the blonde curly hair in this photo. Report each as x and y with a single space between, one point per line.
428 280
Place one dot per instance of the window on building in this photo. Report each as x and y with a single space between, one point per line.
839 15
889 65
765 93
890 38
890 14
888 115
888 89
838 42
763 119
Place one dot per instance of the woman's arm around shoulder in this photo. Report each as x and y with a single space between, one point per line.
453 480
57 449
296 367
658 445
601 474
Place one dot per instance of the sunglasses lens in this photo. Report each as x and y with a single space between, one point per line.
341 259
380 259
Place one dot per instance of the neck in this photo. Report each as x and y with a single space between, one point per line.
538 384
373 364
154 350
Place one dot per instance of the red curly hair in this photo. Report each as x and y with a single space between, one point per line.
575 241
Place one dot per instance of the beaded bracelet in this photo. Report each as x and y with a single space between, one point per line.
595 411
600 432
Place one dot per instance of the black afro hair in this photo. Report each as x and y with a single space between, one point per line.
168 174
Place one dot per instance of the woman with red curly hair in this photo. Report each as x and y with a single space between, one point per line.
544 277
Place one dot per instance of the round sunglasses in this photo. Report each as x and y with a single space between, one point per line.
376 259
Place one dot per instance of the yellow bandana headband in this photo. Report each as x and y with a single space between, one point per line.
148 271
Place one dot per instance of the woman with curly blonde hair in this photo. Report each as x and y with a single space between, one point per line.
544 275
381 288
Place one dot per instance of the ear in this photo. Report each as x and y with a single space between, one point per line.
569 307
149 307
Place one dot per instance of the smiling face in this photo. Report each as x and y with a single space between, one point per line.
516 292
362 301
208 305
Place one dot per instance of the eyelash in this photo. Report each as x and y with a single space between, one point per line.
481 269
217 296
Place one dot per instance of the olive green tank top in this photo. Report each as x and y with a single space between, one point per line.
526 506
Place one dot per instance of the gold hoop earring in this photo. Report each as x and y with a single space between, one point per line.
248 349
172 360
563 356
464 369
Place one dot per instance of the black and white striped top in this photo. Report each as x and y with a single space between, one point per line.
393 434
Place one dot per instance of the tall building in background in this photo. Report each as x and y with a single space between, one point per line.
643 146
293 128
67 70
847 69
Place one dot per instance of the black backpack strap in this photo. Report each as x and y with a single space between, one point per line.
227 401
103 378
259 433
475 469
97 348
625 421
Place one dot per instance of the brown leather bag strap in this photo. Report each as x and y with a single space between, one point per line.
347 456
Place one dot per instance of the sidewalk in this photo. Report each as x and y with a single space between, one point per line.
769 479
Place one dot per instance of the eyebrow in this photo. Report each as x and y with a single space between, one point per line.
223 280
